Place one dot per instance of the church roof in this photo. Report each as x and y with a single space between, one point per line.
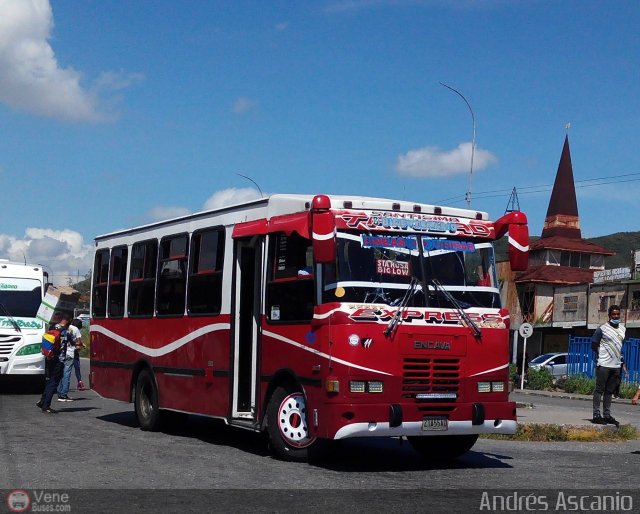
562 214
569 244
562 232
562 275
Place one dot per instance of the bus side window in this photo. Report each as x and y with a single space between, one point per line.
100 278
142 278
172 276
204 294
117 280
290 287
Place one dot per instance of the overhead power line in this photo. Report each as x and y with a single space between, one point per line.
542 188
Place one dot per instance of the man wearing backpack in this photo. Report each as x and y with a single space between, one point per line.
53 369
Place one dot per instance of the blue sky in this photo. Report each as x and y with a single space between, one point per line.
115 113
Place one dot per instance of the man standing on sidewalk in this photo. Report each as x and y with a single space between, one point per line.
607 342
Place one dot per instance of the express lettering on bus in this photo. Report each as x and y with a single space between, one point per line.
408 315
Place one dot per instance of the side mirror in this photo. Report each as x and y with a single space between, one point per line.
323 230
324 238
519 247
516 224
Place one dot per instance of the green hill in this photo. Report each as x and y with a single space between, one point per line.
623 243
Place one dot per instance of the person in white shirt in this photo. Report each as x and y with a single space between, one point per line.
607 342
73 340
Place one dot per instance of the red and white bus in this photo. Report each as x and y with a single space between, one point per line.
313 318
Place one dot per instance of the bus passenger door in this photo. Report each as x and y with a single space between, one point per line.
246 321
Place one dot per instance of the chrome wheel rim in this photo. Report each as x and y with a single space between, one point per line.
292 421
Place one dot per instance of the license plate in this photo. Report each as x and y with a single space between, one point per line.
433 423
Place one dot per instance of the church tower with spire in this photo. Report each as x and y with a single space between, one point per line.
561 256
562 214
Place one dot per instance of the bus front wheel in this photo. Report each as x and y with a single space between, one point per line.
146 401
445 447
287 425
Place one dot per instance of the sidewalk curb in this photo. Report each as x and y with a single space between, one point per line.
566 396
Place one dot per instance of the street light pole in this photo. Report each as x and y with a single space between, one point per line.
473 140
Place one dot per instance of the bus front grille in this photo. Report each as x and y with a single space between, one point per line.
8 343
430 376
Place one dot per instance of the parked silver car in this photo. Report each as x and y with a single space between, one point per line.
556 363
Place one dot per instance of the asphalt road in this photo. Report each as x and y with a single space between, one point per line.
561 408
93 450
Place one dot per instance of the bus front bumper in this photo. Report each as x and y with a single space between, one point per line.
23 365
415 428
412 419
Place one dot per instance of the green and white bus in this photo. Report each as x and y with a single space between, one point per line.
22 287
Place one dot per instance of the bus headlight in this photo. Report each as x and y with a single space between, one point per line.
375 386
30 349
497 387
357 386
491 387
484 387
362 386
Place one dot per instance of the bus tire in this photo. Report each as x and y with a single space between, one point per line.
445 447
146 402
287 425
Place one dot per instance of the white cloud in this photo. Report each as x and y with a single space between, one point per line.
161 212
63 253
244 104
431 161
32 80
217 200
231 196
282 26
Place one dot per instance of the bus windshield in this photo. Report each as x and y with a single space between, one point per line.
20 297
378 269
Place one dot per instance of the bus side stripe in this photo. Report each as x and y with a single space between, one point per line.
490 370
319 353
158 352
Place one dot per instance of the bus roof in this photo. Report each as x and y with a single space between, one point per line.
280 204
20 269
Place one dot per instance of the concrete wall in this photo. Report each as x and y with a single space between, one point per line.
601 296
563 298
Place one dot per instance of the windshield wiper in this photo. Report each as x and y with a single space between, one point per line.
397 317
477 333
11 320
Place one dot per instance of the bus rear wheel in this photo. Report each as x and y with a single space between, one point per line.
146 401
287 425
445 447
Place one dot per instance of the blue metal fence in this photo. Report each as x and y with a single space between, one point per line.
582 359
